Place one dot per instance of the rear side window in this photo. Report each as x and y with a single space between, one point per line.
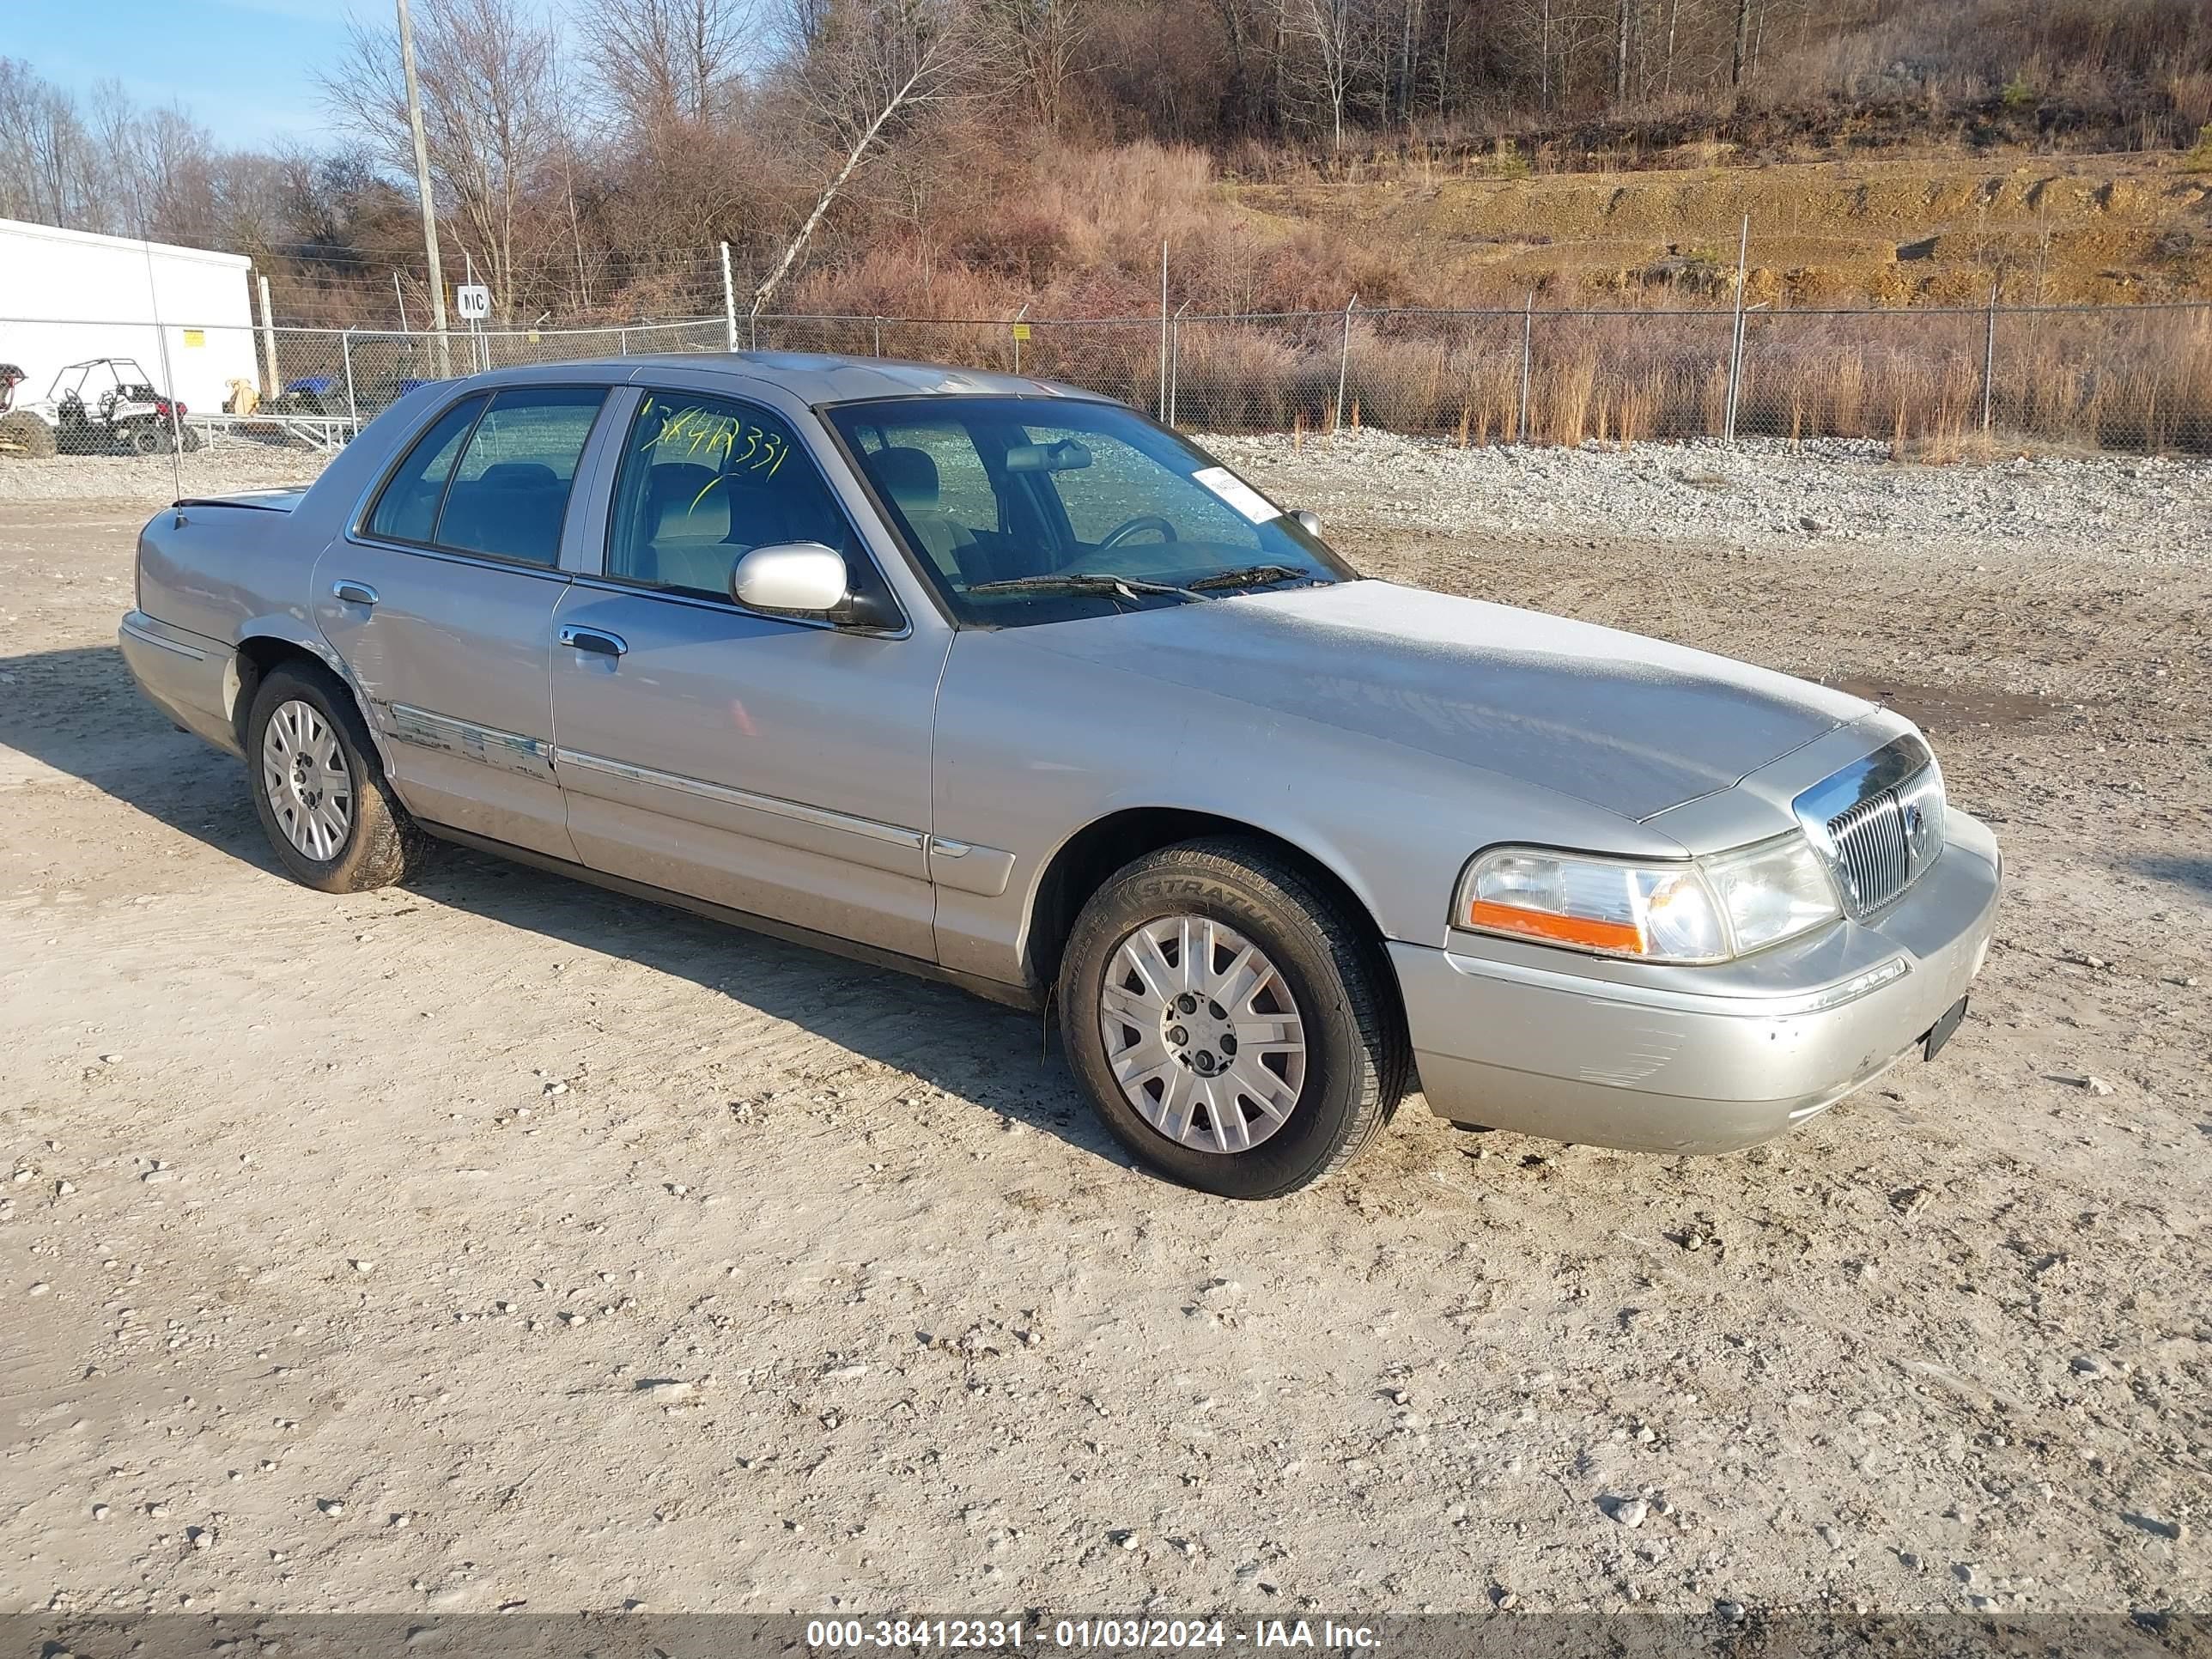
409 507
510 492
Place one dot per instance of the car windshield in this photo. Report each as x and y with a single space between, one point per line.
1039 509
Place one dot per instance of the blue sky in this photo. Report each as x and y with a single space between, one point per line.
242 68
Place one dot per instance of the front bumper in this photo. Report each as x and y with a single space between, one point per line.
1695 1060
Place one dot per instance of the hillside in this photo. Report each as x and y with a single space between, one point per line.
1909 231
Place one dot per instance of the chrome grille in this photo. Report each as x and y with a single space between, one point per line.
1879 823
1870 853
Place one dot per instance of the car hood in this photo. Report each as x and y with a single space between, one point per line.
1629 724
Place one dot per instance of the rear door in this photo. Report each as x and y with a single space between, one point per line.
775 766
440 600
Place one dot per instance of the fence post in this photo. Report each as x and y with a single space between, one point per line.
1163 329
729 299
1989 359
1527 361
880 336
345 351
1015 328
622 342
1735 332
1343 362
1175 363
268 344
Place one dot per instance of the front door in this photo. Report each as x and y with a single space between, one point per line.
777 767
441 605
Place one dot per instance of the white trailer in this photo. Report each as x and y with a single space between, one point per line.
68 295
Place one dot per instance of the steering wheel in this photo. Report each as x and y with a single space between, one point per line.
1131 526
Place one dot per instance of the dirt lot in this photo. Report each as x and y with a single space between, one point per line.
500 1242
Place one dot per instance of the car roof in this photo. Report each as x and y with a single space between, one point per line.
814 377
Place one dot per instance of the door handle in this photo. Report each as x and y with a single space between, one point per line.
594 640
353 592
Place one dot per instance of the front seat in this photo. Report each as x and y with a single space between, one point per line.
909 478
687 510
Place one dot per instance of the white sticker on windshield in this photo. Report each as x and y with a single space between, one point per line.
1238 493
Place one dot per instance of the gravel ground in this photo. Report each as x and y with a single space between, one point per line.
2132 509
498 1241
153 480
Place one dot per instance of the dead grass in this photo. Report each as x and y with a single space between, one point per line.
1267 286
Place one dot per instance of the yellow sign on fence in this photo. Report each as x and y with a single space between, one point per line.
195 337
1021 331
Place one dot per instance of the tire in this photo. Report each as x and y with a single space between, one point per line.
26 435
371 842
148 438
1341 1089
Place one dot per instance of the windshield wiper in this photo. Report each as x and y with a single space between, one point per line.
1082 582
1252 575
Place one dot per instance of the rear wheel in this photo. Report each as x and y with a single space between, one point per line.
1232 1025
26 435
149 438
317 789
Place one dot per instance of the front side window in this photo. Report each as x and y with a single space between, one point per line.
706 480
1031 509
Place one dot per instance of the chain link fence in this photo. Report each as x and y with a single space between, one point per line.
1933 384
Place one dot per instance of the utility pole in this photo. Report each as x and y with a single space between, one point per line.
422 184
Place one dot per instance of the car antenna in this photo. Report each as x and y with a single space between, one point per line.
168 381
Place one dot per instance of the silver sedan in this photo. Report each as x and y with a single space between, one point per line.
998 681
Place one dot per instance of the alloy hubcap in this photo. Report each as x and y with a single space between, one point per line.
1202 1034
303 772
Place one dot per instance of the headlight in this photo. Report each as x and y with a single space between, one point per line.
1708 909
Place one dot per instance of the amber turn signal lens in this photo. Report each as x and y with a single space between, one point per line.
1590 934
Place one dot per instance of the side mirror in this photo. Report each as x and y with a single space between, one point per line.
795 577
1309 522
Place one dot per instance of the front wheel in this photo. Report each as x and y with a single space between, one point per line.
1232 1024
317 789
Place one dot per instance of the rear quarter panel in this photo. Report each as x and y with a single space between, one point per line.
213 575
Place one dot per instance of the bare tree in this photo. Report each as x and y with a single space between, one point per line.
1038 40
48 170
489 110
161 169
868 71
663 62
1330 25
